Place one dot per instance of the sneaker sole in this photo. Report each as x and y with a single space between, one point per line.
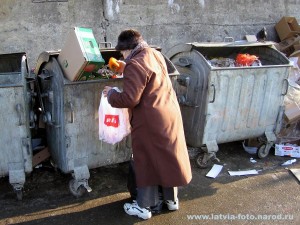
172 207
139 216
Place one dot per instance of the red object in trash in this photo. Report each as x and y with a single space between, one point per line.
245 59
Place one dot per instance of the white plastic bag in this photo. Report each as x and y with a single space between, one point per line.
113 122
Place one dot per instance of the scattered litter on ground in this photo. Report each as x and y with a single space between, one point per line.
215 170
241 173
287 150
250 150
289 162
296 172
253 160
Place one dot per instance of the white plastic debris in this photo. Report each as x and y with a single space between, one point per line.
241 173
215 170
296 172
253 160
289 162
250 150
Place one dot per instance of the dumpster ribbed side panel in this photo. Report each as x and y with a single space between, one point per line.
73 132
12 127
15 141
82 128
244 103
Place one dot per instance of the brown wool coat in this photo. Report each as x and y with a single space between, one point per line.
158 142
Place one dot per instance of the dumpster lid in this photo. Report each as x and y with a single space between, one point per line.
215 45
44 58
232 44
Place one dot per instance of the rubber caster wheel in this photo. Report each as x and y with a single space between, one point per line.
76 192
200 162
19 194
262 152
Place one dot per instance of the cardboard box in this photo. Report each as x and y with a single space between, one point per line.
287 150
292 112
287 46
297 46
287 27
80 56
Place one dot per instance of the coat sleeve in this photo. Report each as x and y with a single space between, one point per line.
135 78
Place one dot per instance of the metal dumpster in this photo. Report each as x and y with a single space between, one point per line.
224 104
15 122
70 113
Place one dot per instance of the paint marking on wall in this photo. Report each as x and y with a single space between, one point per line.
118 6
175 8
109 6
202 3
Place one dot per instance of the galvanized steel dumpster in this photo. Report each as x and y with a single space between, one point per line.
15 140
224 104
70 112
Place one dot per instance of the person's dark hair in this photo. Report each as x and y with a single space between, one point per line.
128 39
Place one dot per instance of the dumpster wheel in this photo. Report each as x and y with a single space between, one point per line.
201 163
19 194
263 151
77 192
205 160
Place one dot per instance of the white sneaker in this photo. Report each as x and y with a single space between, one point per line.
172 205
133 209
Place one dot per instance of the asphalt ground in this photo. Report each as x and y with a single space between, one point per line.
270 197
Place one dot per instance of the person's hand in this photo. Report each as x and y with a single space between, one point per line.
121 67
106 90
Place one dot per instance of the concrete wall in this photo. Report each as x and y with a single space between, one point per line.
34 26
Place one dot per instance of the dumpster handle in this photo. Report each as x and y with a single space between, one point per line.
228 39
106 44
287 87
19 111
72 112
214 95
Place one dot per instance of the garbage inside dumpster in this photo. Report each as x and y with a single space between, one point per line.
80 57
246 59
239 61
230 103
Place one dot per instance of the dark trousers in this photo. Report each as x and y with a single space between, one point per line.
151 195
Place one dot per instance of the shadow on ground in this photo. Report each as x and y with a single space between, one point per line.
47 200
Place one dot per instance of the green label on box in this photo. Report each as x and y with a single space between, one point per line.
89 45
